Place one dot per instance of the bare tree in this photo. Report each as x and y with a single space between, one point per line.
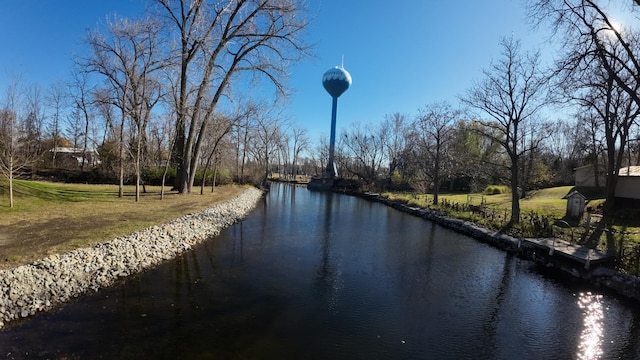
56 99
15 156
216 134
129 58
243 132
9 138
613 113
300 143
80 91
160 136
361 151
565 149
588 34
320 154
592 126
433 131
267 138
218 40
396 146
511 94
599 69
32 124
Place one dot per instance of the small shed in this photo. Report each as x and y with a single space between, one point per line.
575 205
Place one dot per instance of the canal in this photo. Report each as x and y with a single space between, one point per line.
311 275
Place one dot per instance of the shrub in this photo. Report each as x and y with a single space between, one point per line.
495 190
153 175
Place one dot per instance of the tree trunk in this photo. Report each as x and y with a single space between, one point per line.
11 181
86 137
138 154
436 173
204 178
121 157
244 154
515 194
204 173
215 173
612 178
164 177
182 175
515 169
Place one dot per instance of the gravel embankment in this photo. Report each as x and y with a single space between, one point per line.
49 282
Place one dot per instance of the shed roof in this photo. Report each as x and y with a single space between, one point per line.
575 193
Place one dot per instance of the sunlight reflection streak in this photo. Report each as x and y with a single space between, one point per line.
590 346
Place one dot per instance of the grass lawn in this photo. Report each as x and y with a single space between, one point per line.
546 201
54 217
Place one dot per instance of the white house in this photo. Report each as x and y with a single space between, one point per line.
628 187
77 155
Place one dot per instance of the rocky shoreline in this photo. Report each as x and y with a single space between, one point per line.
56 279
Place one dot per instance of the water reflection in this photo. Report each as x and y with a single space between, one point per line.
324 276
590 346
328 280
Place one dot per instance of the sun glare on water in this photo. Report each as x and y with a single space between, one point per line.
590 346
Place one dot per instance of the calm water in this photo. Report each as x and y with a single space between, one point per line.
312 275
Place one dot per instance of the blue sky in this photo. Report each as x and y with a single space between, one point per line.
402 55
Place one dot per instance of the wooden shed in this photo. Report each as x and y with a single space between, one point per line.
575 205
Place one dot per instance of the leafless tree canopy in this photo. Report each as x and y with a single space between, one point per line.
174 90
511 94
432 133
19 128
215 42
129 58
599 70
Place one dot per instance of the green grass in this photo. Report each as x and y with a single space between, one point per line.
55 217
548 202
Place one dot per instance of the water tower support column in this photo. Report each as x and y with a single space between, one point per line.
336 81
331 167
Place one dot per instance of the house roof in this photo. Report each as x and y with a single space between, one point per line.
72 150
624 171
629 171
590 166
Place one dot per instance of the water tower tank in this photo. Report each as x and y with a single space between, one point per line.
336 81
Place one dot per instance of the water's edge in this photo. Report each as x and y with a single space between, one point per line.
625 285
50 282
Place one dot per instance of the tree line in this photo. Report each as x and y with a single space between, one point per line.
166 93
163 89
501 131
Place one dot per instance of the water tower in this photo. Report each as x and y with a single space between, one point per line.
336 81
